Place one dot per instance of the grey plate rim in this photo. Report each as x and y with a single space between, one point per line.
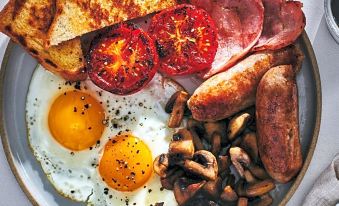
291 191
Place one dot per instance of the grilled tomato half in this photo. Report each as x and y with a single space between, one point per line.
122 60
185 38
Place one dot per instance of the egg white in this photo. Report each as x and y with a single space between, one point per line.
75 174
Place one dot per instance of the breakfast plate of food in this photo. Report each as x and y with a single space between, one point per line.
200 102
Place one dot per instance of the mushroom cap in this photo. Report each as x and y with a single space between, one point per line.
182 143
185 189
161 164
204 164
239 159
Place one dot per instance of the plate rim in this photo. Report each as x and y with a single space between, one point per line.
289 194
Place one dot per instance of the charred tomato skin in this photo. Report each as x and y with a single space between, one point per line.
122 60
185 39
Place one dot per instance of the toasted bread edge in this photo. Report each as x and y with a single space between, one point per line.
55 59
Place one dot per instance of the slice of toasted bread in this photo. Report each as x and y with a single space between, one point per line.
76 17
27 22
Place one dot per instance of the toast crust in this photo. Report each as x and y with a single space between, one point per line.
26 22
76 17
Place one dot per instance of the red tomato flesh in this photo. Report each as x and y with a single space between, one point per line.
123 60
185 38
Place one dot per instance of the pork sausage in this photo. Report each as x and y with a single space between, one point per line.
231 91
277 123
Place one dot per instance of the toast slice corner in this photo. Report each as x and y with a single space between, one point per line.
27 22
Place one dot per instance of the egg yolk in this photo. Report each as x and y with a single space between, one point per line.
76 120
126 163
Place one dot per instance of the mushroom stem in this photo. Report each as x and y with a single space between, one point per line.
242 201
240 187
224 164
196 140
249 144
212 127
169 180
260 188
216 143
249 177
212 188
178 109
196 125
259 172
230 180
170 103
228 194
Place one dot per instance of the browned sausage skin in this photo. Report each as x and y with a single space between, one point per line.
229 92
277 123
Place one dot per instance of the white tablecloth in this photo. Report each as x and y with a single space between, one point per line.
327 52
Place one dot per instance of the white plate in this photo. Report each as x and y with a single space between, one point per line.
16 73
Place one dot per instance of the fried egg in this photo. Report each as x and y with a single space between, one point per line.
96 147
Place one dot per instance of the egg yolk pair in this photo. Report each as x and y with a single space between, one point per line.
76 121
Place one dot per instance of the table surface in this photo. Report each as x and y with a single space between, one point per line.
327 53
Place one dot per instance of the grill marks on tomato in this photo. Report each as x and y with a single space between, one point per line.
123 60
185 38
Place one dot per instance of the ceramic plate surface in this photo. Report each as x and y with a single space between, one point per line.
16 73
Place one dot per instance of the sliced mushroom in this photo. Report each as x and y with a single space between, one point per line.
212 188
239 159
178 108
196 140
236 142
185 189
203 164
224 164
228 194
196 125
237 125
259 172
230 180
216 143
249 144
182 143
212 127
170 103
168 181
240 187
242 201
260 188
249 177
160 165
264 200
